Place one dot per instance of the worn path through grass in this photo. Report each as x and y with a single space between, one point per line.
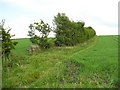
98 66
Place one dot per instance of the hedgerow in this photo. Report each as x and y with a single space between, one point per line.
70 33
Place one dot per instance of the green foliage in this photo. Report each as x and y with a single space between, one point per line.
44 30
7 44
76 67
69 32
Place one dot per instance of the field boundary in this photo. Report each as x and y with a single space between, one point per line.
94 43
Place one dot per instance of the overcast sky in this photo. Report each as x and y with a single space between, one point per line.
102 15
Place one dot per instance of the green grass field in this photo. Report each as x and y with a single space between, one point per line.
93 64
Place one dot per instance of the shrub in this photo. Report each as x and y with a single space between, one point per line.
44 30
7 43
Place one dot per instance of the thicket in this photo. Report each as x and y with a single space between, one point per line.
70 33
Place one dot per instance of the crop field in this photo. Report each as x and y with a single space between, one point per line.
92 64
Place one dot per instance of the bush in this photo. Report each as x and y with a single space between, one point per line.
7 43
44 30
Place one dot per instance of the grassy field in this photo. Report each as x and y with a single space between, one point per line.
93 64
22 47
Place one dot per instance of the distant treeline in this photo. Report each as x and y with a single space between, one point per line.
69 32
